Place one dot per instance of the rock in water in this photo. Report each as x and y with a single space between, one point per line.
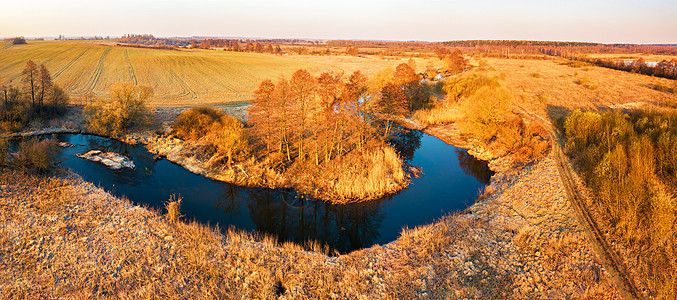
112 160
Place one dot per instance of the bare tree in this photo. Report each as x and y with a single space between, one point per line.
45 84
302 92
30 78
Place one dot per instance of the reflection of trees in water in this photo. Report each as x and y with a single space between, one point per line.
298 218
228 201
474 167
406 142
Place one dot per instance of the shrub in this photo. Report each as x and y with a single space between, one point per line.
34 155
467 86
230 139
486 111
125 110
535 75
194 123
174 208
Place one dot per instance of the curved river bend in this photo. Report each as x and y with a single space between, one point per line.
450 182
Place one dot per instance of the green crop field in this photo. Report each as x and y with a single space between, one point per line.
178 77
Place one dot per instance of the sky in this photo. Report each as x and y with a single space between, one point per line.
604 21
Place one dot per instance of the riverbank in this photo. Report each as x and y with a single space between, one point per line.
65 237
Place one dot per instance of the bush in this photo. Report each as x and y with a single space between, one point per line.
38 156
486 111
125 110
218 136
195 123
230 138
467 86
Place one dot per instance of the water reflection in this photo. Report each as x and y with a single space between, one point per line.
450 182
406 142
295 217
473 167
228 202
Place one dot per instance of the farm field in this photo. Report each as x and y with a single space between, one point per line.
178 77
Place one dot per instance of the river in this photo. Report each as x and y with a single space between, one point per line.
451 181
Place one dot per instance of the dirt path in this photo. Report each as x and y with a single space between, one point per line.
611 260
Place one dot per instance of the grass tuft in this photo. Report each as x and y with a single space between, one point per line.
174 208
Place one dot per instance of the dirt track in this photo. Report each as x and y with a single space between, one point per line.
609 258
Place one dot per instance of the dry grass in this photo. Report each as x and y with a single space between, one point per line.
173 207
441 114
558 84
365 175
179 78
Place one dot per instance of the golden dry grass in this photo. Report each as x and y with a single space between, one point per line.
179 78
558 86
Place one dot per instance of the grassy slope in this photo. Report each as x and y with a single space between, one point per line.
554 89
65 238
181 77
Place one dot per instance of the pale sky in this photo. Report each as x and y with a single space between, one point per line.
605 21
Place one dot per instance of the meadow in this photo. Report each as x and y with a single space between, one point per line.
87 69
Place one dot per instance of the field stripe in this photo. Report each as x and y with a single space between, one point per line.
132 74
44 62
183 84
97 73
64 68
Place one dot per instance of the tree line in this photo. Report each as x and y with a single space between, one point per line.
630 162
666 69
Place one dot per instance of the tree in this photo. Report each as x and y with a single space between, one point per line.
261 112
329 96
404 74
126 109
301 92
19 41
455 62
393 103
45 84
230 138
416 94
441 52
352 51
282 110
358 103
30 79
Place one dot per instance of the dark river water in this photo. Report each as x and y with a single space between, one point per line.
450 182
